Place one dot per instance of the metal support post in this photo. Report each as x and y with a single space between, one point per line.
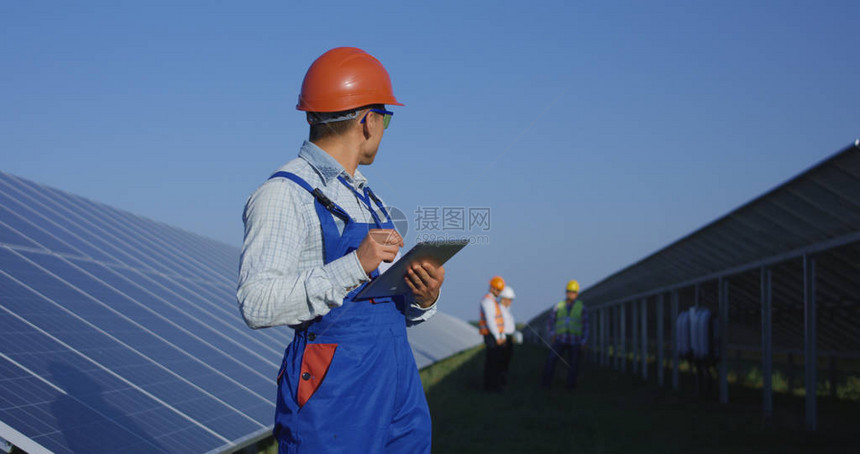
723 289
660 342
607 340
599 325
790 369
644 331
592 334
603 335
634 339
609 333
617 337
598 343
810 355
766 344
589 342
592 320
607 313
834 375
675 355
622 349
595 318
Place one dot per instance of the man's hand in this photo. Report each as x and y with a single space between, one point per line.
380 245
500 341
425 280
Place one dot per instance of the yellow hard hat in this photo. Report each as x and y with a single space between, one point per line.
573 286
497 283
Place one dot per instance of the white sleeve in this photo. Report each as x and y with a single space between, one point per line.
416 314
510 325
271 290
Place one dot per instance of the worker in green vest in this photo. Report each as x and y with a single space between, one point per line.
567 326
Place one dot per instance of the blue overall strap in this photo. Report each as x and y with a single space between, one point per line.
321 198
378 202
368 194
325 208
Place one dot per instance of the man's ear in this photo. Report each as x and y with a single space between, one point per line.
365 127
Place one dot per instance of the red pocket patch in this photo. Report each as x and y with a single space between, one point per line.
315 363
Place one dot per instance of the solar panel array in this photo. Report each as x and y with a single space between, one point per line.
821 206
121 334
817 212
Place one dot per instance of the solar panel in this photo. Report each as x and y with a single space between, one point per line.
122 334
440 337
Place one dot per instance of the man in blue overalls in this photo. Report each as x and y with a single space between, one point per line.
315 234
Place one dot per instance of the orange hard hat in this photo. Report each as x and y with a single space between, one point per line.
345 78
497 283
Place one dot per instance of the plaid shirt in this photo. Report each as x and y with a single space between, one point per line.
282 276
568 338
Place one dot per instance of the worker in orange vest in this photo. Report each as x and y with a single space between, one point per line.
492 327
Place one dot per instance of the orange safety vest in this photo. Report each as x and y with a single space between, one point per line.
500 321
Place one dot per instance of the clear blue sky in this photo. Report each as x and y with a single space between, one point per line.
596 132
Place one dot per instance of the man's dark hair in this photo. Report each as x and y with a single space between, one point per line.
335 128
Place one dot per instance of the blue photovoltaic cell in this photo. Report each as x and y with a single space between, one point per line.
9 236
205 310
183 377
139 367
87 395
210 296
154 320
146 250
34 232
64 232
198 322
93 235
156 239
122 334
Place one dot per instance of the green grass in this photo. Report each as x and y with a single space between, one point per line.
433 375
615 413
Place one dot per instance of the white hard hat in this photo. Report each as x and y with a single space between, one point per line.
508 292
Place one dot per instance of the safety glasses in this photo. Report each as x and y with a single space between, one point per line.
386 116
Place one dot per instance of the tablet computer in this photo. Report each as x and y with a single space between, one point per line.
392 283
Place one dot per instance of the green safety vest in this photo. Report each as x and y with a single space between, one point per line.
569 322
